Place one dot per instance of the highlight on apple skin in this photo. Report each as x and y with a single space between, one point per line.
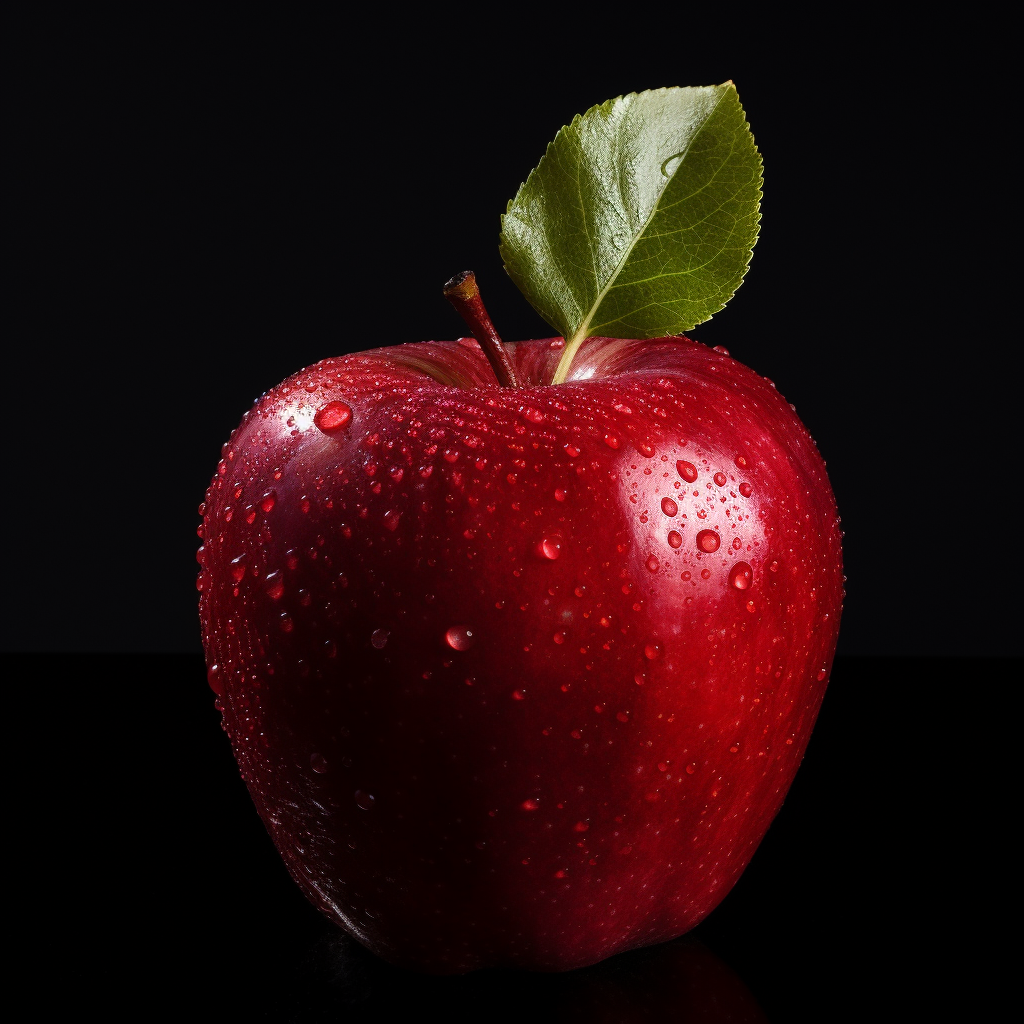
519 675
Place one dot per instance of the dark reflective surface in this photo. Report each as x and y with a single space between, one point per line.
679 981
155 893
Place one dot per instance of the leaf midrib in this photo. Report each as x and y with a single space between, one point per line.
581 332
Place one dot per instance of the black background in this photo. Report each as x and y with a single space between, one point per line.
203 207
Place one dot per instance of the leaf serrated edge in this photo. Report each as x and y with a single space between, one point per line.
757 222
582 333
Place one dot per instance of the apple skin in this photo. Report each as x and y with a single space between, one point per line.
494 697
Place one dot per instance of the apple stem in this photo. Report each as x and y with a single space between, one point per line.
463 293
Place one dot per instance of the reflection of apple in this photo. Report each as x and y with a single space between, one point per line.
520 675
681 981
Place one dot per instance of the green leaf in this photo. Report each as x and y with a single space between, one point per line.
640 219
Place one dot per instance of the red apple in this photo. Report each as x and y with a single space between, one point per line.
520 675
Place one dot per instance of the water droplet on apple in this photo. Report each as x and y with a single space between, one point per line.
333 417
821 675
268 501
549 548
364 800
687 470
721 350
675 539
379 638
318 763
572 451
741 461
652 650
530 804
286 623
460 638
611 440
215 677
653 564
646 450
274 584
669 507
741 576
238 568
720 479
708 541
